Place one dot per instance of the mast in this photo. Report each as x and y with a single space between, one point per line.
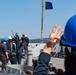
42 21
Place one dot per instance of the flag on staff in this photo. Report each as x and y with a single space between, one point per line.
48 5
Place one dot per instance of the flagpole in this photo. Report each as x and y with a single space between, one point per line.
42 21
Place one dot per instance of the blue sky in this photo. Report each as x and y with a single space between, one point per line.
24 16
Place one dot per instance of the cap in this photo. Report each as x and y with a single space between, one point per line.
9 37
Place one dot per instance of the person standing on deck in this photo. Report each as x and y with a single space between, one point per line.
16 39
23 38
19 51
3 53
10 48
27 41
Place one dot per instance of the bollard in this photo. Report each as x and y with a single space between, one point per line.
29 58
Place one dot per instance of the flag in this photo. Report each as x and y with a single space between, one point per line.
48 5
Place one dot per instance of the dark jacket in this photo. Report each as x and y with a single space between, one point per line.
42 66
9 47
19 48
16 38
3 49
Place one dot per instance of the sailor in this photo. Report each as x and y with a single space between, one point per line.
3 53
16 39
10 48
19 51
25 39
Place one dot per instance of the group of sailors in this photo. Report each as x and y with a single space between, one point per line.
11 45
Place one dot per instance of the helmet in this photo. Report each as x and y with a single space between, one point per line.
25 35
4 39
9 37
69 35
